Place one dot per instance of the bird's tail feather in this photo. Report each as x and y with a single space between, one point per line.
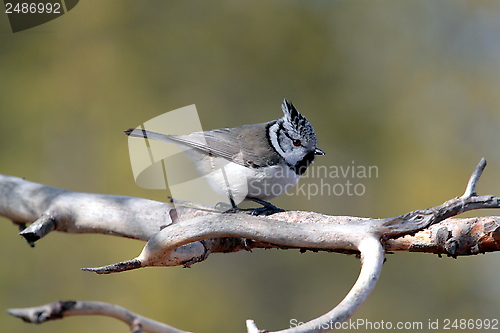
141 133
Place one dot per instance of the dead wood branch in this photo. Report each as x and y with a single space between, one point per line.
184 234
62 309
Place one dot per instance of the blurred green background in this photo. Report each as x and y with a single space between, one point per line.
411 87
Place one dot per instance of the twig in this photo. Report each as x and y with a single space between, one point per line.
251 327
41 227
61 309
290 229
470 191
417 220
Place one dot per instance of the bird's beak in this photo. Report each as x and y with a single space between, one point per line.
318 151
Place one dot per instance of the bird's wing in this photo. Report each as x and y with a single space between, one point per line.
220 142
226 143
244 145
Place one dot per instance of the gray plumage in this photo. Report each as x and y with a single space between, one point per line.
243 145
272 153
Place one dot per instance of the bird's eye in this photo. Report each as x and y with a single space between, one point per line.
296 142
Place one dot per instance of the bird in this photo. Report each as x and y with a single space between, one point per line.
256 162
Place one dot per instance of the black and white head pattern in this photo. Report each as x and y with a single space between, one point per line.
293 137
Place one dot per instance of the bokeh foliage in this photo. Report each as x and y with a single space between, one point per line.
408 86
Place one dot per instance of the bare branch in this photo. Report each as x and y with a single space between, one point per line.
290 229
61 309
187 234
419 219
372 256
453 237
41 227
251 327
470 191
192 233
73 212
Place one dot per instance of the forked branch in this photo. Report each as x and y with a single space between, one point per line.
184 235
62 309
372 256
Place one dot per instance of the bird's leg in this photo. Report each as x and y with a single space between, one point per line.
222 205
233 204
266 209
